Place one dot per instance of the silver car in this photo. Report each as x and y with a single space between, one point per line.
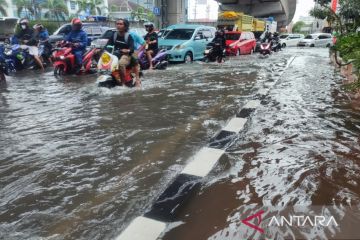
316 40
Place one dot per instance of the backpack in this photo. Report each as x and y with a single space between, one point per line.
126 37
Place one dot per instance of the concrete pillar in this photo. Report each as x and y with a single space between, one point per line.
172 12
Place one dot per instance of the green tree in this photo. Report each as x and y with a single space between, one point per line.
3 6
297 26
346 19
141 14
96 7
25 6
56 9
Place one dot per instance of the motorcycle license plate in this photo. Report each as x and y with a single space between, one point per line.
207 51
103 78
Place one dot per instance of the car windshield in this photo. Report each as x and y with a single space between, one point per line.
283 36
309 37
232 36
180 34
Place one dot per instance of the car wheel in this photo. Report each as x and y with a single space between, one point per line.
328 45
283 45
312 45
188 57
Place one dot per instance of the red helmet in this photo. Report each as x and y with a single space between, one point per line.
76 21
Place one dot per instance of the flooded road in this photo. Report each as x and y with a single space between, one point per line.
79 162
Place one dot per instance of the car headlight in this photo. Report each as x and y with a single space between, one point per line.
179 47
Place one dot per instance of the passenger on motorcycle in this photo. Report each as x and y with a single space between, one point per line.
151 39
220 43
123 44
42 36
79 39
27 39
139 44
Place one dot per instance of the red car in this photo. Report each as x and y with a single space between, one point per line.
240 43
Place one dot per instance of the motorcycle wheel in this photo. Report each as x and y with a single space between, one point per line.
59 71
2 77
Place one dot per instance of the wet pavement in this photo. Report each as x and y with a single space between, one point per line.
79 162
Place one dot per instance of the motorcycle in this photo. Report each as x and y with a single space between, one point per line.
7 65
20 57
64 60
108 67
211 53
160 61
266 48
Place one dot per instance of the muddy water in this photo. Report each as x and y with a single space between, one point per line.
301 148
79 162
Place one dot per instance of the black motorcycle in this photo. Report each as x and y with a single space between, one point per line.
214 53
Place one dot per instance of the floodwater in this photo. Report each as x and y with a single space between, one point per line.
79 162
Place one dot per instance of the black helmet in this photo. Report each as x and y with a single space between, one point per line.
24 22
149 25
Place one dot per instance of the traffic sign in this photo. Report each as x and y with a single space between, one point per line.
157 11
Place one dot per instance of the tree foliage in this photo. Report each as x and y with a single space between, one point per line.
3 6
297 27
141 14
56 10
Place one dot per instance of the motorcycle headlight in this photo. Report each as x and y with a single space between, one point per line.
62 57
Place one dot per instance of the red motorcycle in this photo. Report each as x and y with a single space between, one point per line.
64 60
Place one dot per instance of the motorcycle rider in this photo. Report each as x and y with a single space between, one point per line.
220 43
27 39
276 40
79 39
151 39
42 35
123 47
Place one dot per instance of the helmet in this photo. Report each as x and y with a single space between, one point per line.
149 25
24 21
76 21
38 26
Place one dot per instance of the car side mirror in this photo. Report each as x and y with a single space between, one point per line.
197 38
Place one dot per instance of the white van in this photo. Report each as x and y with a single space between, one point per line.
290 40
317 40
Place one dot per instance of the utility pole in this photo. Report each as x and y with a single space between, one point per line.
195 10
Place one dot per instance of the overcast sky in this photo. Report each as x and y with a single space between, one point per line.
302 9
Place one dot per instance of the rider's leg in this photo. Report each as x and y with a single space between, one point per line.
123 63
34 51
78 60
149 57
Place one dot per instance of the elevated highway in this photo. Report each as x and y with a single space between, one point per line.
282 10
